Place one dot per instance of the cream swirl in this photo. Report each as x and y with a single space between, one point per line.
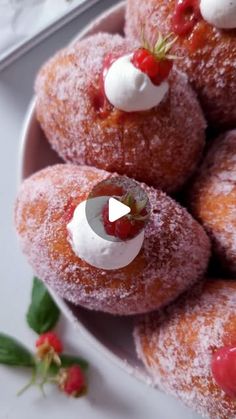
100 251
129 89
219 13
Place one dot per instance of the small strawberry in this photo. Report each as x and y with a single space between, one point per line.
223 367
48 347
155 61
71 381
130 225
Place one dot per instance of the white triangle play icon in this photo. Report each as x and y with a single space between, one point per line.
116 209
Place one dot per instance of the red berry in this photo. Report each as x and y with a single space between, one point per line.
165 67
128 226
50 339
72 381
108 225
224 369
157 70
186 15
123 228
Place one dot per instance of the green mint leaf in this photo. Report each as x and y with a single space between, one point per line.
43 313
14 353
69 360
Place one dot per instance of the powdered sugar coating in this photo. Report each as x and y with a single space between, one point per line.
213 197
175 252
142 145
211 67
176 346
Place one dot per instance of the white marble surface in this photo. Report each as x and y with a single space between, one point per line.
20 19
112 393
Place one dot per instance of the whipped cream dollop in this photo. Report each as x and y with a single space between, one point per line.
99 250
219 13
129 89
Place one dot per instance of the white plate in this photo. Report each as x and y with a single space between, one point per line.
112 335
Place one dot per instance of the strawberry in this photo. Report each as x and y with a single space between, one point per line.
223 367
71 381
50 339
48 347
156 62
186 15
130 225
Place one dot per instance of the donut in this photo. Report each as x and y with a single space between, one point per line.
179 343
208 53
85 128
213 198
174 252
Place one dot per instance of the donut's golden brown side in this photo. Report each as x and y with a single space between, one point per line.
142 145
213 198
210 66
175 251
177 344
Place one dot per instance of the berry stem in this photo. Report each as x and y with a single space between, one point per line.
29 384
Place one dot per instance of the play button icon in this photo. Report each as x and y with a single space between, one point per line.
120 197
117 210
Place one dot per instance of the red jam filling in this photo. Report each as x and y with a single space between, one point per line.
99 99
186 15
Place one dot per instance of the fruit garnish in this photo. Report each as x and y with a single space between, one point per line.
48 347
223 367
130 225
186 15
48 365
155 61
72 381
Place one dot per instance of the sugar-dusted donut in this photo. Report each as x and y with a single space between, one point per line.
174 253
208 52
159 146
213 198
182 348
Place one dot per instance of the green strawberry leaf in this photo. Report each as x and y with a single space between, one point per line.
43 313
14 353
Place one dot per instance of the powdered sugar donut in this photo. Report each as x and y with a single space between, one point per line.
85 128
173 256
213 197
178 345
208 51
